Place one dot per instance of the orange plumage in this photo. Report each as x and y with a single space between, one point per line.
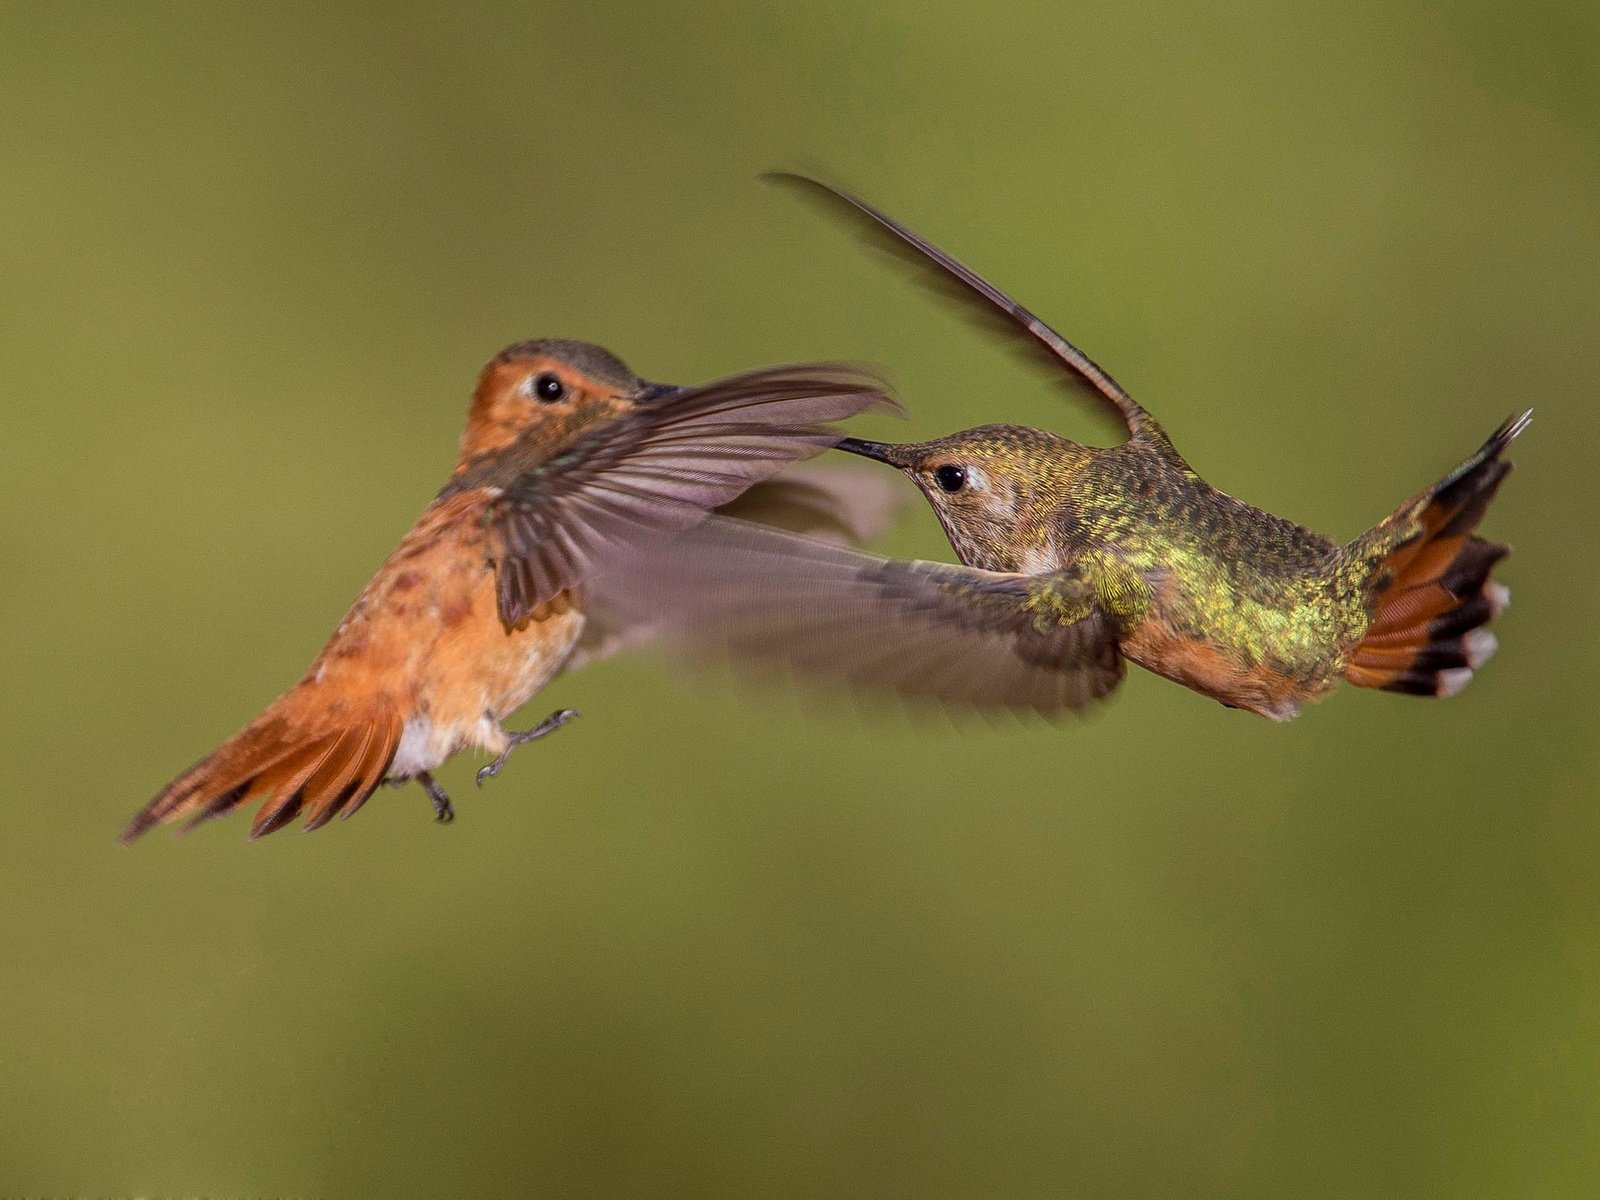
569 462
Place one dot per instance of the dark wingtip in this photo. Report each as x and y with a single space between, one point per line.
1512 427
826 196
786 178
889 404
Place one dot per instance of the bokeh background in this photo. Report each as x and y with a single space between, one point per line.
721 941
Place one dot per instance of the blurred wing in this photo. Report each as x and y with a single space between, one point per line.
922 629
970 283
837 502
659 469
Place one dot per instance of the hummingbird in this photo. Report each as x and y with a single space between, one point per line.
1077 559
569 461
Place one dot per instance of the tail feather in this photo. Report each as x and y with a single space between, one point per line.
357 788
281 789
339 773
290 769
1428 578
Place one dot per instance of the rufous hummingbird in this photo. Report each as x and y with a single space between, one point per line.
569 462
1077 558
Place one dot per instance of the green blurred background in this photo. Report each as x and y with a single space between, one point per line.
715 940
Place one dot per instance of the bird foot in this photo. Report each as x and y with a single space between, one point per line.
549 725
443 811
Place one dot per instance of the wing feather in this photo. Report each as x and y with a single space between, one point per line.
659 469
968 283
920 629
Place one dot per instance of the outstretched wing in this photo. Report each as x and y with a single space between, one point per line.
973 284
837 501
834 501
658 469
921 629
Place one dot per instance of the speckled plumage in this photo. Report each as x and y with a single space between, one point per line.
1239 603
568 462
1127 548
1265 595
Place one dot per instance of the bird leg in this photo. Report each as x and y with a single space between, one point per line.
549 725
443 811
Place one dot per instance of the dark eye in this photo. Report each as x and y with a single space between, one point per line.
950 477
549 388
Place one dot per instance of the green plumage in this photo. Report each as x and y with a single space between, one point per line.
1076 559
1138 523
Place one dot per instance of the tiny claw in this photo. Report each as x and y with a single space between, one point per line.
549 725
443 811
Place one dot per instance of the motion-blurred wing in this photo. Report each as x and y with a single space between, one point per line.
837 502
969 284
659 469
921 629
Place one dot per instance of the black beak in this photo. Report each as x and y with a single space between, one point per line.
649 393
882 451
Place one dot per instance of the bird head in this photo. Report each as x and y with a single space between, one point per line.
552 389
981 481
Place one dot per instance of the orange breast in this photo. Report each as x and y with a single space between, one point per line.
425 635
479 669
1212 671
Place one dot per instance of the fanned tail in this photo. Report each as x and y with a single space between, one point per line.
321 773
1430 594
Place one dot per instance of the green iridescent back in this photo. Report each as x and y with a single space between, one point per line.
1256 586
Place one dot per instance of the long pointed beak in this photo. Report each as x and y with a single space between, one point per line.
884 452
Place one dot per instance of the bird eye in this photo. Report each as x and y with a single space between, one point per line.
950 478
549 388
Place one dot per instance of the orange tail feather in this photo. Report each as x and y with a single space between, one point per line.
1430 592
320 772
